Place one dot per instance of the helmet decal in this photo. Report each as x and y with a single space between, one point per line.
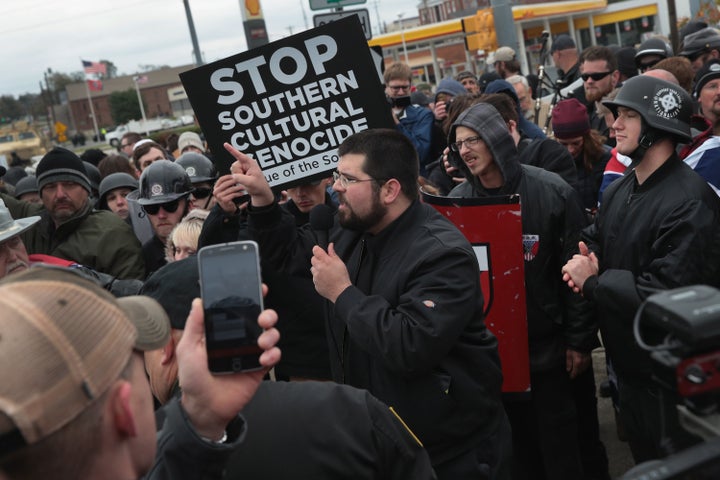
667 103
190 171
156 189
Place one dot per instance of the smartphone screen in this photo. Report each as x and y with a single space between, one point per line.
231 291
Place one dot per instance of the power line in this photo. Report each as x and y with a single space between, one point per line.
56 20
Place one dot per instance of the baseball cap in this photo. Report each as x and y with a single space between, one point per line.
9 227
502 54
562 42
190 139
61 350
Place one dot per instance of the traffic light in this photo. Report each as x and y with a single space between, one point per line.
481 31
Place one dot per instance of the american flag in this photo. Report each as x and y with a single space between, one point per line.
93 72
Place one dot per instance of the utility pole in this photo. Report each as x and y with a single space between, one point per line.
193 35
504 23
50 95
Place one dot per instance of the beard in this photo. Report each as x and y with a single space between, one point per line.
352 221
594 95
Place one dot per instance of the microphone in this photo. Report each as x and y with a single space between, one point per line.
545 34
321 221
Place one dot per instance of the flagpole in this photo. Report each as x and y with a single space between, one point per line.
142 109
92 111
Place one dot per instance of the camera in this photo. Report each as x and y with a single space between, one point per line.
400 102
687 365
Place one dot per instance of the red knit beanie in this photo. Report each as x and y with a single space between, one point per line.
570 119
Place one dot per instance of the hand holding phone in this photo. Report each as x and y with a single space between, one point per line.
231 289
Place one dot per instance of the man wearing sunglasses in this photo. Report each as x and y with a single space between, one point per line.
202 175
651 51
600 74
164 191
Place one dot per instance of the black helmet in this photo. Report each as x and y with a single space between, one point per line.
664 106
163 181
26 185
93 174
113 181
198 167
653 46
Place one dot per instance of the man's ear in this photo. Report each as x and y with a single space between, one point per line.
390 191
120 405
512 126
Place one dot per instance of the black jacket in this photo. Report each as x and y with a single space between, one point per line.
552 219
549 155
660 235
410 329
324 431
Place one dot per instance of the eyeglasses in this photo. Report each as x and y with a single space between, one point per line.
468 142
346 181
397 88
169 207
201 193
595 76
123 145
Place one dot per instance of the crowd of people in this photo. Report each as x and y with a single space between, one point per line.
388 369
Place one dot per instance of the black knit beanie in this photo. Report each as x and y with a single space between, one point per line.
61 165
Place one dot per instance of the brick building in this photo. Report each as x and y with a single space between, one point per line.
162 94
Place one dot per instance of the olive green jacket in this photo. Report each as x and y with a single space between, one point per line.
94 238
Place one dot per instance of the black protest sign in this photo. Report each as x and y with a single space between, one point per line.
290 104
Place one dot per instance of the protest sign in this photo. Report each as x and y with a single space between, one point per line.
493 227
290 104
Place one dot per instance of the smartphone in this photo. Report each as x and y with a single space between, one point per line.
231 290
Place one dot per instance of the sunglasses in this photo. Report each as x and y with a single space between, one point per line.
169 207
595 76
648 65
694 56
201 193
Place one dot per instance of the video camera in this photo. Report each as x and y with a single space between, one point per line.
687 364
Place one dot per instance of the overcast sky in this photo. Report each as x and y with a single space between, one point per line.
41 34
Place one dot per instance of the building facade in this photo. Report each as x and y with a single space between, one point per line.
161 91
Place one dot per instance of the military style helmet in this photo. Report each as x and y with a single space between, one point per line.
26 185
113 181
198 167
663 106
653 46
162 182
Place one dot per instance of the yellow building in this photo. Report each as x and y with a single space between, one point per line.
441 47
